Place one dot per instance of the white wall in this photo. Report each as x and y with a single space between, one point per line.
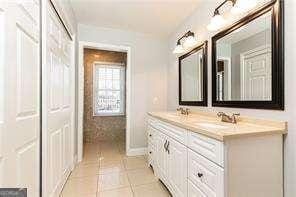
149 67
194 22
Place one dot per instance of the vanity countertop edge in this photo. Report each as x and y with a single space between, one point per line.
201 123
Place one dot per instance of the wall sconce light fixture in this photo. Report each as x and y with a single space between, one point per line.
238 6
190 41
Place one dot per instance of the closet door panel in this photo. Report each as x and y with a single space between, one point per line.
58 104
19 95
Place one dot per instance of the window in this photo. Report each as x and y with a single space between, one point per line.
109 89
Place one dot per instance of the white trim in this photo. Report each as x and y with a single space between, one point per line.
137 151
229 85
108 47
109 63
121 90
58 190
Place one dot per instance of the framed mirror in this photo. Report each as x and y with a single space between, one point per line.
248 61
193 77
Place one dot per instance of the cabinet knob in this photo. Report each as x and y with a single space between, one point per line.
199 175
150 135
150 152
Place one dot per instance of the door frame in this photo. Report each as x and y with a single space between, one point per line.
228 71
80 90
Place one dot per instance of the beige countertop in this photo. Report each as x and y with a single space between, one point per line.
210 125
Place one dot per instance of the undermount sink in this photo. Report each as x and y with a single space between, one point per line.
211 125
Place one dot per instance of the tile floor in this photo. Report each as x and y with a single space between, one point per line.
107 172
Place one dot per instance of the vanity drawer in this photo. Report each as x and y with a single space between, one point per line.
151 153
208 147
172 131
194 191
150 133
205 175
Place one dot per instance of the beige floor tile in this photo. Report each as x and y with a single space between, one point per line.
112 181
150 190
87 195
111 157
131 163
78 187
111 167
122 192
85 170
141 176
87 163
90 157
109 152
91 148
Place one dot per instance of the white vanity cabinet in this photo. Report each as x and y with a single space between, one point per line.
169 161
191 164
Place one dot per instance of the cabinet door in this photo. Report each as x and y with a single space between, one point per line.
160 156
177 167
194 191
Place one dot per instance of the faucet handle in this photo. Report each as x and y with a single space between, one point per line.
234 116
219 114
187 111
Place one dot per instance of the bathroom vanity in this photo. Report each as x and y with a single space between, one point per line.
198 155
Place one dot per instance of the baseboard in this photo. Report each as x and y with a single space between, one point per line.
59 188
137 151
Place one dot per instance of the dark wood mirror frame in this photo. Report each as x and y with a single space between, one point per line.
277 102
204 102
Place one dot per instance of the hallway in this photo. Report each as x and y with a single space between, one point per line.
106 172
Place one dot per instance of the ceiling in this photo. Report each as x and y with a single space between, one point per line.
157 17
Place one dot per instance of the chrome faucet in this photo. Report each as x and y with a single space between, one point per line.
227 118
183 111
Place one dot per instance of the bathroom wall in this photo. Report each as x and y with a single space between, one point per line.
194 23
96 128
149 58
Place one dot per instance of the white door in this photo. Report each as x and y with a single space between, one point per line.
177 167
256 74
58 104
161 156
19 95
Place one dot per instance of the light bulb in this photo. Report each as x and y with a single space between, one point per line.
190 41
179 49
216 23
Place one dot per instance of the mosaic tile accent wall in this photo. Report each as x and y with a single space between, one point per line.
96 128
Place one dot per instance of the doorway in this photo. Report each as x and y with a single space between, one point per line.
104 115
103 112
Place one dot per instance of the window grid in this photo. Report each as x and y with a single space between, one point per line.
109 83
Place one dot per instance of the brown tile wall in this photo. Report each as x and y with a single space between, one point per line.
96 128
